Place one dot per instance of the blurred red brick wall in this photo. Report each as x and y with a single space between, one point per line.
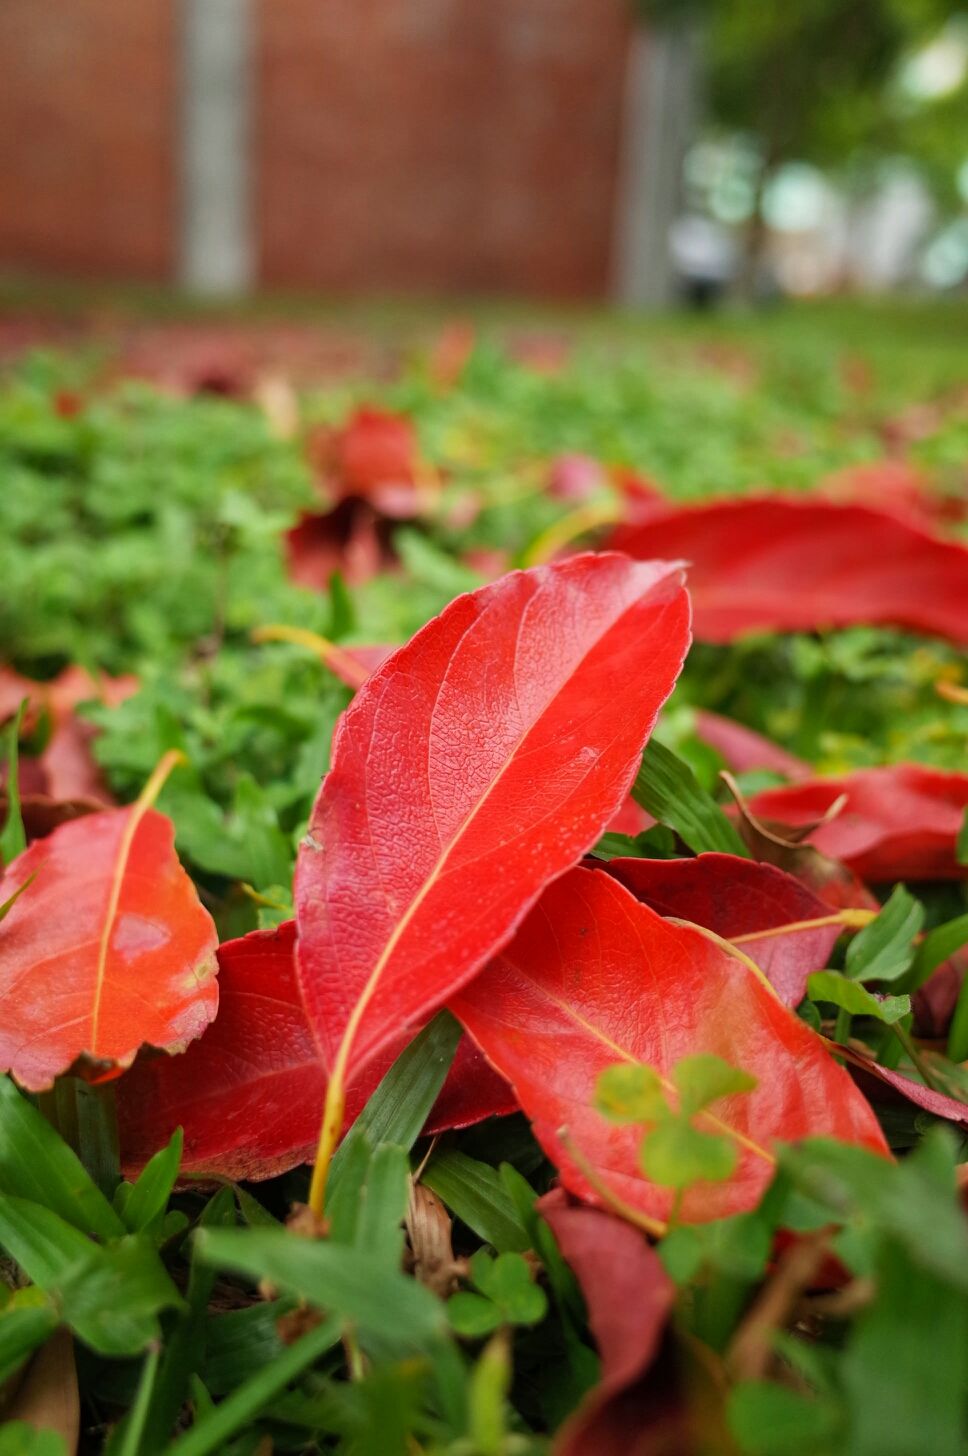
88 136
428 144
463 145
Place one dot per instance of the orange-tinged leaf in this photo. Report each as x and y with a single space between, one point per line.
594 978
107 949
475 765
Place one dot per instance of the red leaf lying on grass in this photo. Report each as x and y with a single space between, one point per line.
373 457
249 1093
737 898
106 948
66 768
872 1076
479 762
742 749
594 978
371 470
898 823
629 1297
894 485
350 539
776 563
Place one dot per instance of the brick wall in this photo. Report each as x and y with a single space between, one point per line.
420 144
428 145
87 133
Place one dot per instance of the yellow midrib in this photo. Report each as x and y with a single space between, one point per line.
626 1056
139 809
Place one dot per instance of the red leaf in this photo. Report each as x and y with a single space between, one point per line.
575 478
934 1003
788 564
629 1297
42 814
350 539
374 450
249 1093
630 819
737 897
480 761
742 749
868 1073
894 485
592 978
66 769
899 822
107 949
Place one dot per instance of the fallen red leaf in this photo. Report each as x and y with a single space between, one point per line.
574 478
779 563
373 457
894 485
737 898
743 750
629 1298
350 539
934 1003
630 819
66 769
869 1073
479 762
42 814
249 1093
900 822
108 948
592 978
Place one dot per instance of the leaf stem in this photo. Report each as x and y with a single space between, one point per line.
334 1111
654 1227
562 532
849 919
842 1026
156 781
339 662
908 1043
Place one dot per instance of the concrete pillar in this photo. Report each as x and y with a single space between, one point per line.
660 117
217 245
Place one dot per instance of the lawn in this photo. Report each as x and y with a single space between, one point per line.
676 1167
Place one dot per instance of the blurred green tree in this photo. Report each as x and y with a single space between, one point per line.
822 81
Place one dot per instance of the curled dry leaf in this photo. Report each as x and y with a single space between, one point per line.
107 948
428 1231
249 1093
47 1396
778 845
475 765
786 929
895 823
780 563
594 978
